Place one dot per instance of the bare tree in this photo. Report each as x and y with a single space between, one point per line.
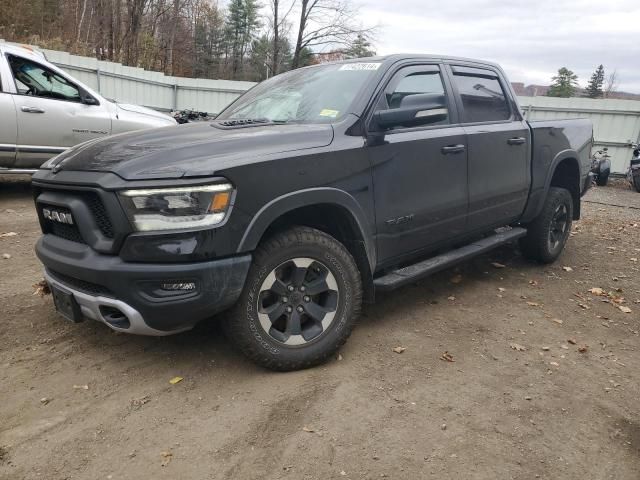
279 27
327 22
611 85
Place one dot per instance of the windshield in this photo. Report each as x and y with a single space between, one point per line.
320 94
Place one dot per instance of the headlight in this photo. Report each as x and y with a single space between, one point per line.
177 208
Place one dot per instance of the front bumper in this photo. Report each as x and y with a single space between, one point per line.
127 296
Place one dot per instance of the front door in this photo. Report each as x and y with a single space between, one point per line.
419 173
498 148
8 130
50 114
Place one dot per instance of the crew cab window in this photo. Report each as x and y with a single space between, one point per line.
418 83
414 86
483 99
33 79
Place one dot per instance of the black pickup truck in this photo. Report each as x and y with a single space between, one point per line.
302 199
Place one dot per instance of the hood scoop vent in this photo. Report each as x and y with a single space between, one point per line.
241 123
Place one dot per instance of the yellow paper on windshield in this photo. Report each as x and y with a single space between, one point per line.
329 113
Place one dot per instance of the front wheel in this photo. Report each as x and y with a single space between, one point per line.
549 231
636 183
300 302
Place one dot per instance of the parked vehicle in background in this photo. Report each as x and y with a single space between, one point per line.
44 111
190 116
308 194
633 174
601 166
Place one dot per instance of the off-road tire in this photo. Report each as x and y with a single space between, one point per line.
536 245
243 327
602 179
635 183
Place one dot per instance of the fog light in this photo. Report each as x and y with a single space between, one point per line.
185 287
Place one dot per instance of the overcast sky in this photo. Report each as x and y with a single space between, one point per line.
530 39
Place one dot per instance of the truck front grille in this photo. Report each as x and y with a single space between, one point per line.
99 214
77 284
68 232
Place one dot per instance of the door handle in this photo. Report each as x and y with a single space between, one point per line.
31 109
516 141
452 149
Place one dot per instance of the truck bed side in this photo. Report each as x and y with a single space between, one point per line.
560 148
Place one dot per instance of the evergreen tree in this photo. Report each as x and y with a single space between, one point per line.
565 84
242 26
360 48
594 88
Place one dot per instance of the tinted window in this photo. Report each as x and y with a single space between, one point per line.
418 83
482 98
34 79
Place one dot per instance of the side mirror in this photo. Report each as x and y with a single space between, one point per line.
414 110
88 99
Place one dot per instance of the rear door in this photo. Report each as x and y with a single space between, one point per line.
419 173
8 126
50 114
498 147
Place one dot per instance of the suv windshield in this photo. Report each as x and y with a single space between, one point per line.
319 94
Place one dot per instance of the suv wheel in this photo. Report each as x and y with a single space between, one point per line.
548 233
300 302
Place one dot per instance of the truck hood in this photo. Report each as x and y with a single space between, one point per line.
149 112
198 149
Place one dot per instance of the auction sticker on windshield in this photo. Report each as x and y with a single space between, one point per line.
360 66
329 113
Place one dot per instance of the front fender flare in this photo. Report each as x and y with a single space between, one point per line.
304 198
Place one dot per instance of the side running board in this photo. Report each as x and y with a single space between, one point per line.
411 273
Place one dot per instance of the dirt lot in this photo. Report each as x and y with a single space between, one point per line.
520 400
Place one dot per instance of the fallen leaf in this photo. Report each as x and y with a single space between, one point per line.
557 320
8 234
567 269
447 357
41 288
596 291
497 265
45 400
138 402
175 380
533 304
533 283
518 347
166 456
572 341
624 309
500 289
6 256
308 429
399 349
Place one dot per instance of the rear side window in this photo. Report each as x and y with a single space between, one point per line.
483 98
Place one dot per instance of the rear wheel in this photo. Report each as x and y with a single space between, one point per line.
548 233
301 300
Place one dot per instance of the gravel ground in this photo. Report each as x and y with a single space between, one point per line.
544 381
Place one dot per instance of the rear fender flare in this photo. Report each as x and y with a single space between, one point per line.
536 202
